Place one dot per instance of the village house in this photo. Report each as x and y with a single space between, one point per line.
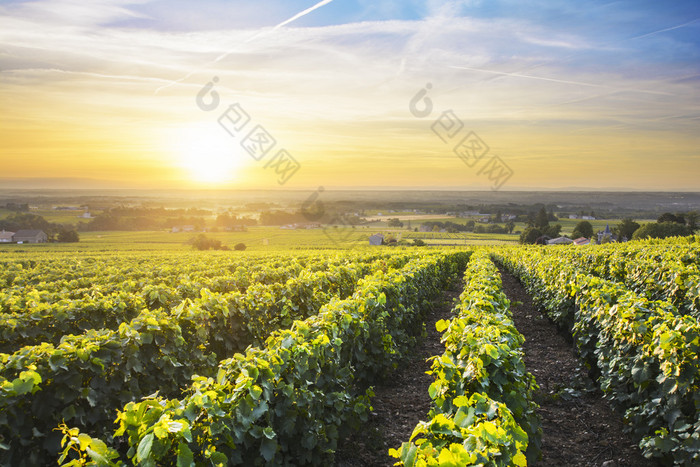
182 228
560 241
30 236
376 239
6 237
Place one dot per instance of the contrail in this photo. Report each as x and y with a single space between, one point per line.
303 13
664 30
577 83
253 37
574 55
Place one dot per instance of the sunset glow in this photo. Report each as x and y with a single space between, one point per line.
596 95
207 155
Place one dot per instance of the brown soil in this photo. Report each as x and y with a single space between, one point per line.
400 401
579 427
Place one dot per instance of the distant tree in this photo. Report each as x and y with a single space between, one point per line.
551 217
390 240
542 240
239 246
418 242
281 218
510 226
68 236
530 220
22 221
24 207
530 235
201 242
583 229
668 217
626 228
542 219
552 231
395 222
661 230
691 219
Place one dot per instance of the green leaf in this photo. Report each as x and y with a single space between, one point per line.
185 457
255 392
268 448
219 458
434 389
160 431
409 457
519 459
22 386
144 448
85 440
464 417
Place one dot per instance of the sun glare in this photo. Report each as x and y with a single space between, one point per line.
209 155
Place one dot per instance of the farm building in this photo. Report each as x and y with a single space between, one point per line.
376 239
582 241
6 237
182 228
30 236
559 241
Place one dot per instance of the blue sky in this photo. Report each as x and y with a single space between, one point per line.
604 94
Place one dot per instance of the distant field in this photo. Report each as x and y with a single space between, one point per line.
255 239
408 216
268 238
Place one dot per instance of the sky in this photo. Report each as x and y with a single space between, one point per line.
300 94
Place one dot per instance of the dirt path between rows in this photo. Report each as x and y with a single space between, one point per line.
579 428
400 402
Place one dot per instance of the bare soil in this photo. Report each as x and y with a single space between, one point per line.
579 427
400 401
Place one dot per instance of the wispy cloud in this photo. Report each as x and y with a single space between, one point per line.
563 81
252 38
341 87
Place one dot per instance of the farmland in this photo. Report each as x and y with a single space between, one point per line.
164 356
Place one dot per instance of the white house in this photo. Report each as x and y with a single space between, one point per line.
559 241
182 228
376 239
6 237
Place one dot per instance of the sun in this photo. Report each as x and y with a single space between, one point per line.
208 154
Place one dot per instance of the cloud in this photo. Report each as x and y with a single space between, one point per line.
344 88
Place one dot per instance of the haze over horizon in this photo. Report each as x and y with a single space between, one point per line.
600 95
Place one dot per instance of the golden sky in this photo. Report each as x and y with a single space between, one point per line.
594 96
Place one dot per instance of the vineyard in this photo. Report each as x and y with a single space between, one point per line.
213 358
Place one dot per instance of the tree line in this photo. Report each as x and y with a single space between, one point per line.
25 221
